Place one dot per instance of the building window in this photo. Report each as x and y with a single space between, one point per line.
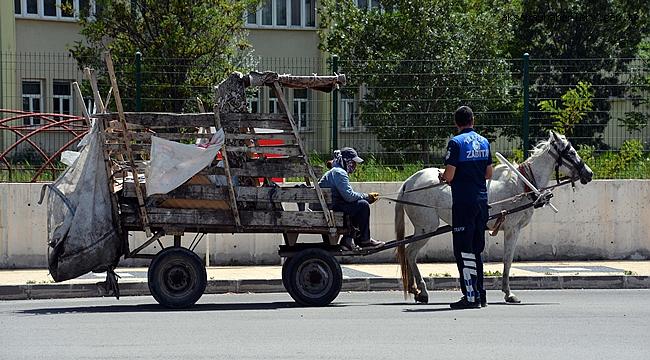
349 112
280 13
273 103
32 101
253 101
62 97
31 7
284 13
300 102
267 13
49 8
54 9
368 4
296 12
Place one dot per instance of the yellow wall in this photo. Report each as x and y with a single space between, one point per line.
295 51
7 70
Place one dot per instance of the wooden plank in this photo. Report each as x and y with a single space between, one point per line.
146 136
157 120
284 150
122 149
262 124
261 136
127 140
278 169
242 193
99 103
272 221
285 108
226 167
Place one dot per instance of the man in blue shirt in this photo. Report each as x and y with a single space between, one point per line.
350 202
468 164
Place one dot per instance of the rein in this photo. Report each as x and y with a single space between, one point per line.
563 181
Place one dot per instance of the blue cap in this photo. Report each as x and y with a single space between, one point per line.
349 153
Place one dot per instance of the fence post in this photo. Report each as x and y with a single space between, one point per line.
335 107
138 81
524 128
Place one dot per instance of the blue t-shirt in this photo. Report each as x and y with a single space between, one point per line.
470 153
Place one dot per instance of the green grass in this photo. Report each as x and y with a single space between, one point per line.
438 275
24 172
492 273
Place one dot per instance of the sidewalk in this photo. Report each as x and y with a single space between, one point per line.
37 284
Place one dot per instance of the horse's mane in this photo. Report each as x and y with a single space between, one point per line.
537 151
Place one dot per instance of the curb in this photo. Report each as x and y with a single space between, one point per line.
60 291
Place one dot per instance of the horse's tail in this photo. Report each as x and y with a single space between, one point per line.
401 250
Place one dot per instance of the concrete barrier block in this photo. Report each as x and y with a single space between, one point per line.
221 286
355 284
381 284
260 286
593 282
637 282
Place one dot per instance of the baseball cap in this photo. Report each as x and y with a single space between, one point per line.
349 153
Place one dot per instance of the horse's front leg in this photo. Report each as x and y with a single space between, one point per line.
510 241
421 295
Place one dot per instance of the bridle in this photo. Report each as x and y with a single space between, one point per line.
562 158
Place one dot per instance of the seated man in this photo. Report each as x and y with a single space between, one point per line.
346 200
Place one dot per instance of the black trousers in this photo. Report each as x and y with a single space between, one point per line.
359 212
469 224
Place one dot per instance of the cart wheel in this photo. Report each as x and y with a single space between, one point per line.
314 278
285 273
177 277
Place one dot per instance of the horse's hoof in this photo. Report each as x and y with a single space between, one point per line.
512 299
421 299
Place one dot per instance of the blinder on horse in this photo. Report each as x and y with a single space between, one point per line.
562 157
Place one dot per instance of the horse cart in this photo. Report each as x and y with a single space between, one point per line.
172 174
234 193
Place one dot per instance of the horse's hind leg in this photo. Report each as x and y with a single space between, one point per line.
412 249
509 242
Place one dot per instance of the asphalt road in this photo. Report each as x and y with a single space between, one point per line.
566 324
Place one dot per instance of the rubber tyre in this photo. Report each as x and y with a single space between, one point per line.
177 278
285 273
314 278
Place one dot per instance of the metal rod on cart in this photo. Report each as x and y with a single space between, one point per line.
503 160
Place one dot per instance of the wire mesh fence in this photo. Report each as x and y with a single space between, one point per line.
396 112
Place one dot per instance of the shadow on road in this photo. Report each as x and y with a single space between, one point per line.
426 309
159 308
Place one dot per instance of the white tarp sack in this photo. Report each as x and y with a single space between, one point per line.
81 234
172 163
69 157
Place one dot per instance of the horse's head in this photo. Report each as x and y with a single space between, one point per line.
567 158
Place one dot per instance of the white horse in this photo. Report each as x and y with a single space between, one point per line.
504 184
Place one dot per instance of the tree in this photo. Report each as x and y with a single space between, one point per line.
639 82
420 60
571 41
187 45
575 104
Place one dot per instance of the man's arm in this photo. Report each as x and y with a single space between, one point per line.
448 175
342 184
488 172
451 160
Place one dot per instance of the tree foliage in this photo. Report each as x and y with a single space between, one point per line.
457 49
639 81
187 45
594 41
417 61
575 105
